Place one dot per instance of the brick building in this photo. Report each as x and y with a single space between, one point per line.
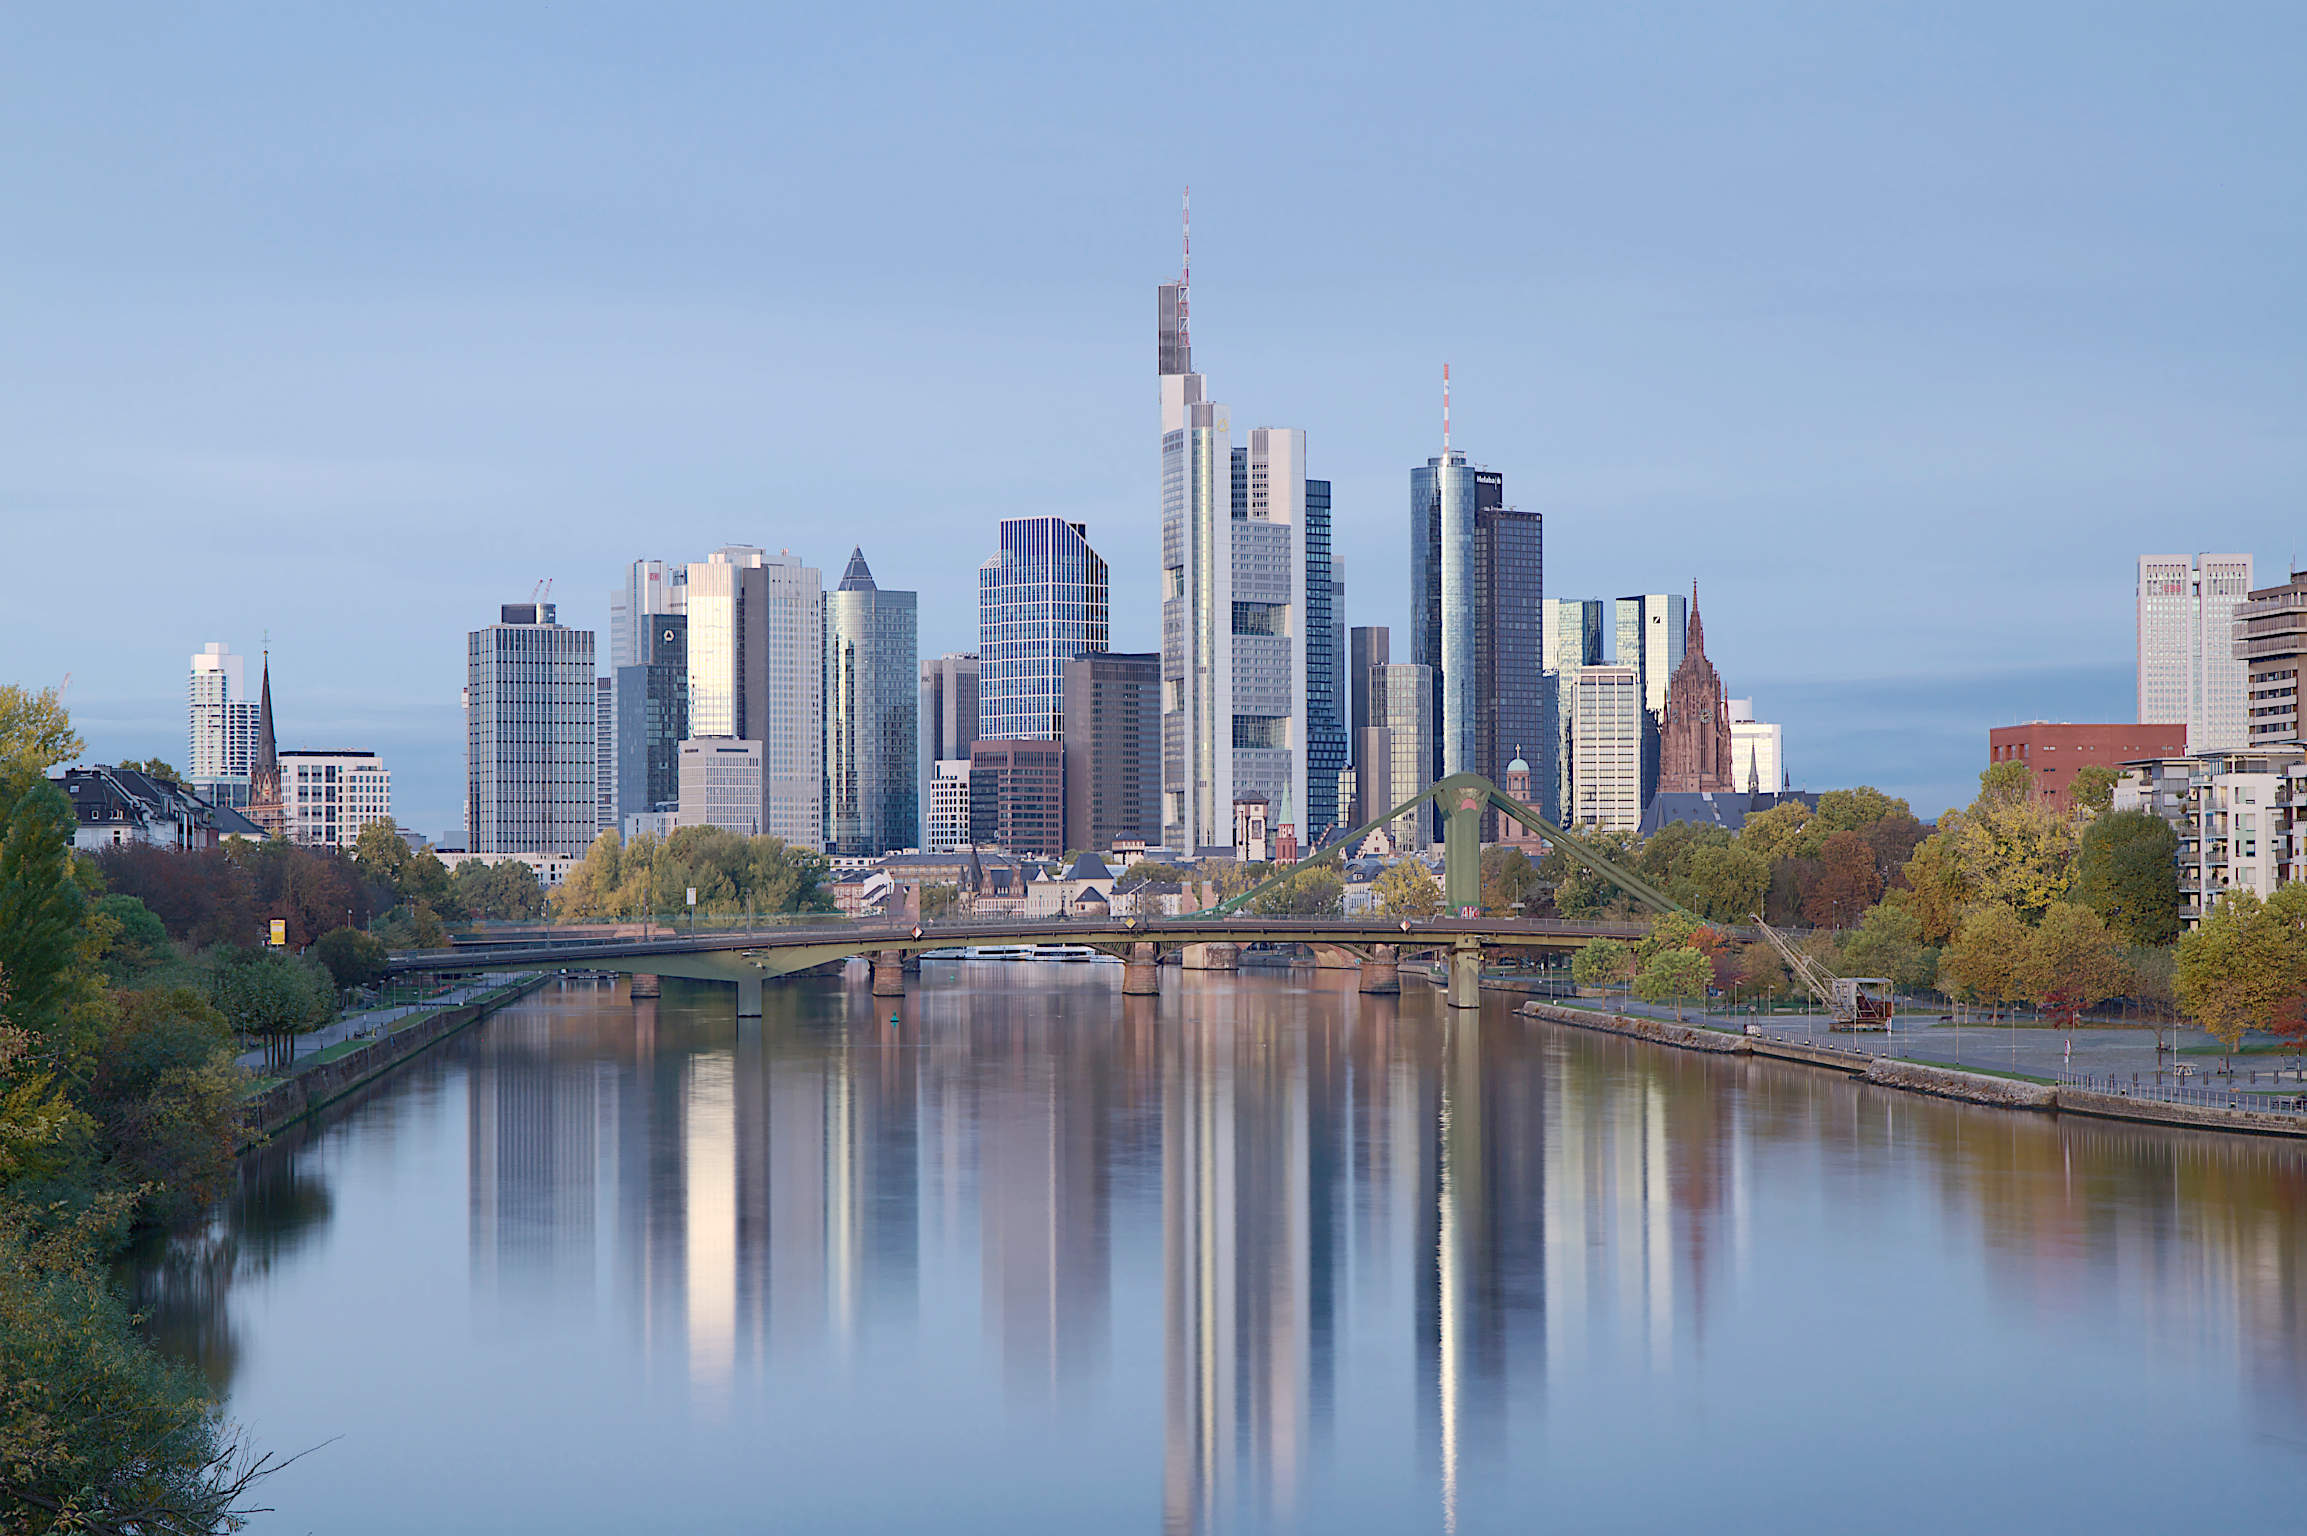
2057 750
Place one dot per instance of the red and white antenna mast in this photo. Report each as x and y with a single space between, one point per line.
1186 271
1445 407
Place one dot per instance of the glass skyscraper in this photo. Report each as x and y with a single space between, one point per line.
1325 668
1040 602
652 716
871 714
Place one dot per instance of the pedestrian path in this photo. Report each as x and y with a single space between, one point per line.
367 1022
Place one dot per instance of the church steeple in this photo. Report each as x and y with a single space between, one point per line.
1694 633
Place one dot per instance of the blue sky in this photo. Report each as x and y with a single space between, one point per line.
1903 330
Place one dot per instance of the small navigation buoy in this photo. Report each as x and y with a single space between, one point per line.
893 1021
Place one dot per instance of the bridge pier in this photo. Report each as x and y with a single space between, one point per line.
1212 957
1141 974
749 997
889 973
1466 972
646 985
1381 973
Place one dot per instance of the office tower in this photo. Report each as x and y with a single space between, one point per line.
327 797
1694 755
529 714
1041 602
605 752
757 673
947 815
721 779
1017 796
1396 751
1647 633
1606 747
1112 736
265 806
2189 672
650 588
220 726
1571 636
1757 752
872 721
1367 647
652 717
2271 641
1325 704
948 714
1510 567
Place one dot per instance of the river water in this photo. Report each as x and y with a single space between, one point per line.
1262 1255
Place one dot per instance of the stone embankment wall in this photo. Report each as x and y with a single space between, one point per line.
1920 1077
294 1097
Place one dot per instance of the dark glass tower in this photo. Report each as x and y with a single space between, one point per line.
652 715
1325 711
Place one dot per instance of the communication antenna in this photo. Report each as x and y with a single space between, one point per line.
1445 407
1185 268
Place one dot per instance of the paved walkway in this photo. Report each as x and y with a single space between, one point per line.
368 1021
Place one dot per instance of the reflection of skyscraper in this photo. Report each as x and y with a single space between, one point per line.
530 1184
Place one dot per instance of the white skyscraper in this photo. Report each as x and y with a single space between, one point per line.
1606 731
2188 671
220 720
529 713
1757 751
756 649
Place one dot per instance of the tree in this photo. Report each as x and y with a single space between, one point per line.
1509 882
1728 883
1888 942
506 890
2126 870
414 926
2014 851
352 958
1778 832
939 899
2093 792
1602 963
1761 972
1847 883
1668 930
2243 967
273 997
1854 810
1985 959
166 1096
1579 892
2071 964
1407 890
135 940
1942 892
154 768
1316 892
1674 975
2005 782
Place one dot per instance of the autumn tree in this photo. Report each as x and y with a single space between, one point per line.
1848 881
1317 891
1888 942
1407 890
1986 958
2245 965
1674 975
1509 882
2071 963
2093 791
1940 890
1603 963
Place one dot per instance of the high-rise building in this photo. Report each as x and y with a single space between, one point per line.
1396 753
1694 755
1647 633
872 724
1041 601
1606 749
1326 750
650 588
1367 647
605 752
653 718
721 784
948 713
2189 672
529 720
265 803
1572 636
1017 796
1112 736
1757 751
948 802
757 673
220 726
2271 642
327 797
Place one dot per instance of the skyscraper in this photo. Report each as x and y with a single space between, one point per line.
1112 735
2189 673
529 720
1239 607
605 752
872 704
653 717
1571 638
1372 749
1606 745
948 714
220 726
1403 748
650 590
756 646
1041 602
1326 749
1647 634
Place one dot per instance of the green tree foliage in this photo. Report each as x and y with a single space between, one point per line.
35 732
412 926
1603 963
1848 881
1407 890
1854 810
1316 892
384 858
2245 965
154 768
1888 942
733 874
2126 870
1581 893
351 957
135 942
2071 963
2004 782
1941 891
42 912
1761 973
1727 883
164 1084
1670 930
2093 792
1986 960
1779 832
1674 975
939 899
272 996
504 891
1510 883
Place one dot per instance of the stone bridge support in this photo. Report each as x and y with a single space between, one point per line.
1381 973
646 985
1213 957
889 973
1466 972
749 998
1141 974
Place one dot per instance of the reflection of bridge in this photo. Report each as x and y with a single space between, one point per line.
1209 941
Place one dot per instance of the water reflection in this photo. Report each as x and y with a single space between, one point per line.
1343 1234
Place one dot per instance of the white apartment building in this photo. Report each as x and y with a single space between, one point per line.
1606 720
327 797
948 814
1757 751
721 785
220 726
2189 673
2241 820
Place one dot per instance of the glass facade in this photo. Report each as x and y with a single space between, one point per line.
1040 602
653 718
1325 710
529 722
871 714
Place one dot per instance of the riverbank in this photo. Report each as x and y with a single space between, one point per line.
2013 1091
325 1079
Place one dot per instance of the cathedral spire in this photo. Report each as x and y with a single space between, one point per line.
267 807
1694 633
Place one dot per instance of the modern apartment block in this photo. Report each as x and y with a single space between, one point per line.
2189 671
757 673
1607 734
948 715
2241 819
1041 601
220 726
652 718
872 721
948 806
1112 736
1017 796
2271 642
529 721
2055 751
721 784
329 796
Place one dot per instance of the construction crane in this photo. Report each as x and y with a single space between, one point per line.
1845 998
542 592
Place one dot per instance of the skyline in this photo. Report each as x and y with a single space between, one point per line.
402 338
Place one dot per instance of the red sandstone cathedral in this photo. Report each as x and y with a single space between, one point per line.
1694 739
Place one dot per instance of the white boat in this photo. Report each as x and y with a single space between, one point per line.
998 952
1066 952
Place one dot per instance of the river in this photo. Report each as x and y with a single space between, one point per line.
1260 1255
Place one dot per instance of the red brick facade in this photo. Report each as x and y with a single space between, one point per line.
2056 751
1694 742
